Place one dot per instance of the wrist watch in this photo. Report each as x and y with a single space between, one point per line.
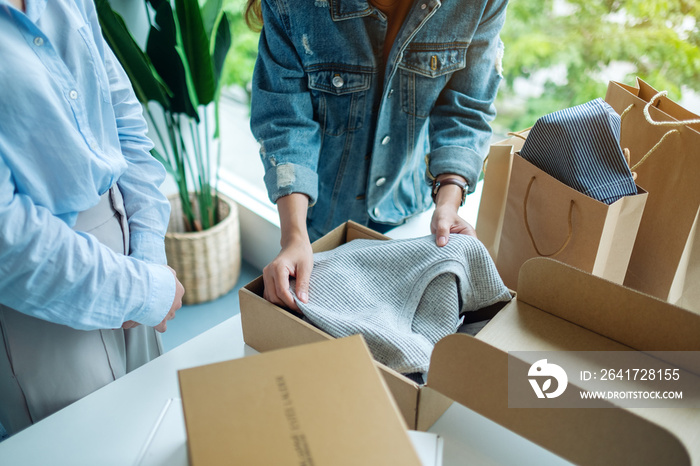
437 184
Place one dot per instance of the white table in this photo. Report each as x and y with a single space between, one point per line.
110 426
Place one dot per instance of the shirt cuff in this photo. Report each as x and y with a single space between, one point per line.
458 160
287 178
160 299
148 247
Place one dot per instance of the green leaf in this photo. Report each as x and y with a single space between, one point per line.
166 163
156 3
195 43
144 79
211 15
221 46
162 48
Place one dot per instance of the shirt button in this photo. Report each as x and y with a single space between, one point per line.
423 6
38 41
73 94
338 81
386 140
381 181
376 211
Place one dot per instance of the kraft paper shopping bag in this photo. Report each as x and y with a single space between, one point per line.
544 217
492 205
663 140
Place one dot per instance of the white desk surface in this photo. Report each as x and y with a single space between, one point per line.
110 426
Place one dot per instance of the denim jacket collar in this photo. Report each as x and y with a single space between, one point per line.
346 9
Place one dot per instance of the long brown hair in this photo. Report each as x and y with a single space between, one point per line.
253 15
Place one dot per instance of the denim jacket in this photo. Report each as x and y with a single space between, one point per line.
336 124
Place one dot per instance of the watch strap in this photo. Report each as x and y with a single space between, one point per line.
455 181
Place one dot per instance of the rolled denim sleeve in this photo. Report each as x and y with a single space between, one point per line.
459 122
281 110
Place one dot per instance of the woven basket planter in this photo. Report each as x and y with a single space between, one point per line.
208 263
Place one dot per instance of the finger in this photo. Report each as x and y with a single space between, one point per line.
302 285
464 228
469 230
276 290
161 327
269 292
442 233
130 324
282 289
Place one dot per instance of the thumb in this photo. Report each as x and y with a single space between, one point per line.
442 233
302 282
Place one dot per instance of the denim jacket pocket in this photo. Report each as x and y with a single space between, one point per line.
339 98
425 69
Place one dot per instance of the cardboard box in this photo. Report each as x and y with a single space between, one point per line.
559 308
166 445
322 403
268 327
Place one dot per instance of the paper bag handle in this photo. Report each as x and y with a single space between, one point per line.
655 123
529 232
519 134
664 123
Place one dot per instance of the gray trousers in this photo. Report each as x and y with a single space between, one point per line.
45 366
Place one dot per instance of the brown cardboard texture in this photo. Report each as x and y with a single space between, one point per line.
559 308
268 327
317 404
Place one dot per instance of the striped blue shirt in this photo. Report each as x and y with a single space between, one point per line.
580 146
70 127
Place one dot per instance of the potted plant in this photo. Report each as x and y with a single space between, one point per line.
177 79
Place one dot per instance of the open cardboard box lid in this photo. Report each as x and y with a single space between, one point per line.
322 403
559 308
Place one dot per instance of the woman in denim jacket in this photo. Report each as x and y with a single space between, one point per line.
360 105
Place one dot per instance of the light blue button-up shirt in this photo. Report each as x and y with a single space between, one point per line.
71 127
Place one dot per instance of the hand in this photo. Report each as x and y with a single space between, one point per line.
177 304
130 324
445 218
446 221
295 260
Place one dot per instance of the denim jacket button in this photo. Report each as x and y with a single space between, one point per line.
338 81
391 91
386 140
380 181
376 211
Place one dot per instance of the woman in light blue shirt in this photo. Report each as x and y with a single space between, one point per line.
82 222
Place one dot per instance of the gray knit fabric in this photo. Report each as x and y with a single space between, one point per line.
402 295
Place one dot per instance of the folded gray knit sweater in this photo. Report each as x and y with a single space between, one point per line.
402 295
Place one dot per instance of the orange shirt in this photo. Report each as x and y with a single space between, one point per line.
396 11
